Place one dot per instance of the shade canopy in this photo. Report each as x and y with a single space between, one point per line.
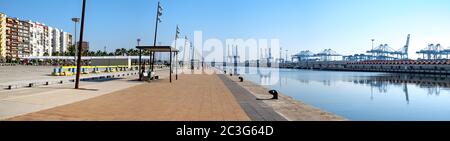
158 48
153 50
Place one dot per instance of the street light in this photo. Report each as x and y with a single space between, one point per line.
75 21
177 33
372 48
286 56
159 13
77 82
140 59
372 43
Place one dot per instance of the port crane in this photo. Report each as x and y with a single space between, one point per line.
303 55
385 52
327 55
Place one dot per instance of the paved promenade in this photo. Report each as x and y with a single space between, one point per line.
191 98
23 101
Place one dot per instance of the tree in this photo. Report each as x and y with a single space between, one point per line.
133 52
91 53
70 50
56 53
121 52
99 53
46 54
117 52
124 51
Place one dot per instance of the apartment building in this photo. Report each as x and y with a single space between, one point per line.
48 47
17 38
20 38
37 38
56 40
66 41
12 39
2 37
23 48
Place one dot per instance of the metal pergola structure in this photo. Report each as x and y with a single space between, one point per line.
153 50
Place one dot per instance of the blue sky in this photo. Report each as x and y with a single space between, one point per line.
343 25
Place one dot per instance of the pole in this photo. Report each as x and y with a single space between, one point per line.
170 65
140 59
77 83
176 67
286 56
192 58
176 60
372 48
184 52
74 45
140 64
156 34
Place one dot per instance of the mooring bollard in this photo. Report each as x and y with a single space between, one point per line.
47 83
241 79
274 93
10 87
31 85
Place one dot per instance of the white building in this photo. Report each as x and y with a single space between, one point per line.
56 40
66 41
48 37
37 38
47 40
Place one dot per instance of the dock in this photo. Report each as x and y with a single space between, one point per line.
440 67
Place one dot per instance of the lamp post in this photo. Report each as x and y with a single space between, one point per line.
75 21
372 48
285 60
140 59
77 82
185 51
177 32
159 13
192 57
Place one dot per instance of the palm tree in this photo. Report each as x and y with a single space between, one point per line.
91 53
124 51
133 52
99 53
70 51
121 52
118 51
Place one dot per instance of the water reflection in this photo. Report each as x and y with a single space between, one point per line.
363 95
381 83
378 82
432 83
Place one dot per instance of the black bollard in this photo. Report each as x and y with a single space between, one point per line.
274 93
241 79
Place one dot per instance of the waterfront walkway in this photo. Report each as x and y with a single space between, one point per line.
191 98
22 101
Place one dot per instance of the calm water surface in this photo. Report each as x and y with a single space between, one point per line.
361 95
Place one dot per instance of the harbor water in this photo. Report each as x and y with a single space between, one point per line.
361 96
